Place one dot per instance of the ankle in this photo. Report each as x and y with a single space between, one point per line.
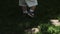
25 11
31 10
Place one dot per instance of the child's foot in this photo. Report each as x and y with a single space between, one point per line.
25 12
31 14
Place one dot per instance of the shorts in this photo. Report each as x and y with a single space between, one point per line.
28 3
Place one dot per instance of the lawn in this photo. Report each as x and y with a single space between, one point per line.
12 21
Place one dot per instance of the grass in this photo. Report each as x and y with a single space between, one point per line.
16 25
45 25
10 24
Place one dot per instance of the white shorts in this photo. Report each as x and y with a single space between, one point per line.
28 3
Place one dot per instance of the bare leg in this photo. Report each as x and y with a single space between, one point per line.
32 9
24 8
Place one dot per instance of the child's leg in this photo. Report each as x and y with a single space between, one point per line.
32 8
24 8
31 11
32 5
22 3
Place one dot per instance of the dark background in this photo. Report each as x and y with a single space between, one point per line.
10 15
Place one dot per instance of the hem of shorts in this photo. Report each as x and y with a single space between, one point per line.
22 5
33 5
